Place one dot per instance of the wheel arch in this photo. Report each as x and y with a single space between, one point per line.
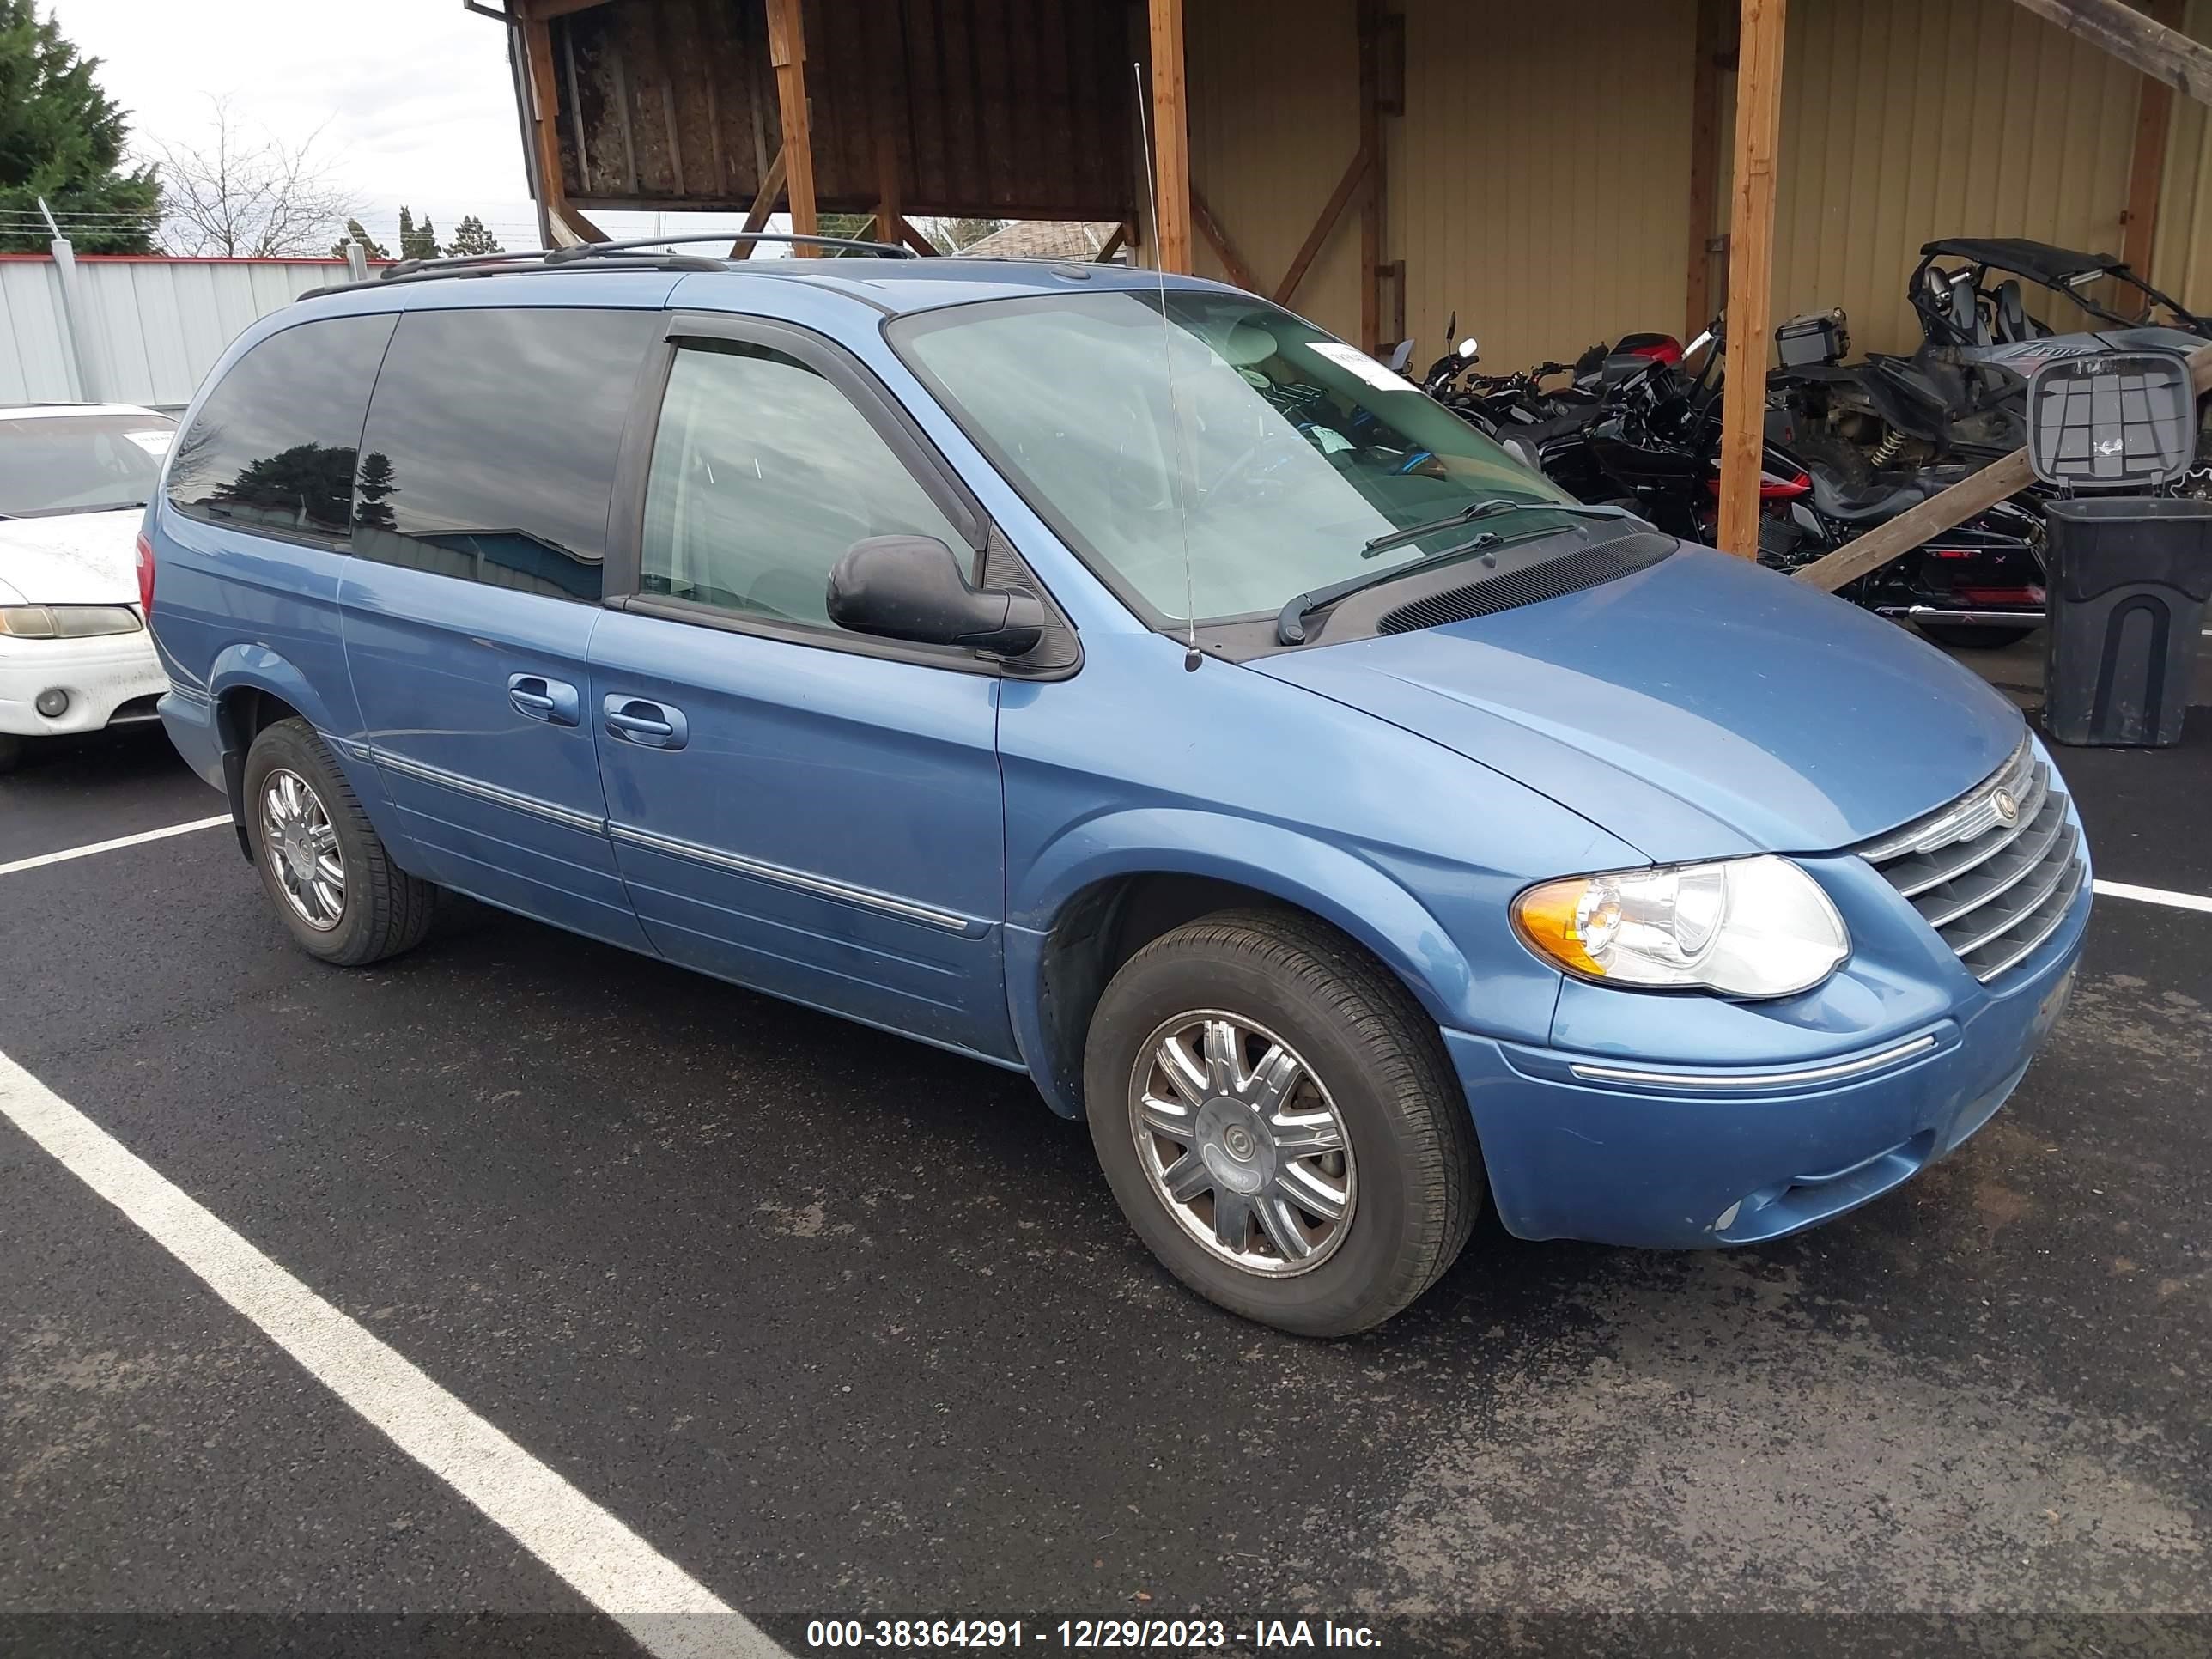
1104 891
251 689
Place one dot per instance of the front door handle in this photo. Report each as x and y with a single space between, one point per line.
555 702
640 720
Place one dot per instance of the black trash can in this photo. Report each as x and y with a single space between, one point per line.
2129 578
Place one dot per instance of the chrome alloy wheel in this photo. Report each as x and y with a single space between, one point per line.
1242 1143
302 846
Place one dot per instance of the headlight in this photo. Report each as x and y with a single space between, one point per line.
1746 928
66 621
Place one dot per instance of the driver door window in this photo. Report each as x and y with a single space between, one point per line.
763 474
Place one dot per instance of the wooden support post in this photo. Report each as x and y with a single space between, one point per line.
890 213
914 239
1372 226
787 50
1224 250
544 133
1114 244
1704 161
2165 54
1317 239
1751 273
2153 113
1170 140
764 201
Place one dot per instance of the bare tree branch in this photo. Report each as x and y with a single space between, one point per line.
245 198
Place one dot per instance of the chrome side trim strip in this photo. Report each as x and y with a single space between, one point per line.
1794 1078
821 886
492 793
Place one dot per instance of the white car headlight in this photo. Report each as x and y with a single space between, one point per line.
1746 928
66 621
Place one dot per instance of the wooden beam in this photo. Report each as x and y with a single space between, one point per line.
1324 227
1751 273
787 50
1705 162
1372 226
1976 493
2166 55
545 11
1172 191
544 114
914 239
2153 115
764 208
1224 250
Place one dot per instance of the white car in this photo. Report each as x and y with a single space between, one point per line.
74 655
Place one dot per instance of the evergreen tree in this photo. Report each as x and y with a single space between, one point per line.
471 239
375 249
417 241
63 138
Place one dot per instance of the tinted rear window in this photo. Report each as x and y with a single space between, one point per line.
273 448
491 447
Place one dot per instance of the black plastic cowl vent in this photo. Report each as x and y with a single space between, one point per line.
1607 562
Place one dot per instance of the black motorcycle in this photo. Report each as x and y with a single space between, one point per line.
1658 449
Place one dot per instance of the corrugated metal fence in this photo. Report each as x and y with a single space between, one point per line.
150 327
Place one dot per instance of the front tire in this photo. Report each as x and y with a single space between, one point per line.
1278 1122
336 889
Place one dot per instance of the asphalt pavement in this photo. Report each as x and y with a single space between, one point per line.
849 1328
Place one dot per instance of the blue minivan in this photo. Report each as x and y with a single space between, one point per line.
1120 681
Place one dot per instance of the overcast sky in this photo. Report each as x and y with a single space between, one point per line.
412 97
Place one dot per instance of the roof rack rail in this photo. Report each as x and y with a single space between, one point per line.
583 251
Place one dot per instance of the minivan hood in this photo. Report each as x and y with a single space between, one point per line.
71 558
1699 708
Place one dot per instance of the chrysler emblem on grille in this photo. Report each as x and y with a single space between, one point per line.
2007 808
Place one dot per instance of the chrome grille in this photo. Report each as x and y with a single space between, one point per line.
1993 886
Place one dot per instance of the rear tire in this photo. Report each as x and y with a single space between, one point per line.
335 888
1369 1122
1963 636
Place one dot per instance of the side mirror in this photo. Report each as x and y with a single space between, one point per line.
1467 349
912 588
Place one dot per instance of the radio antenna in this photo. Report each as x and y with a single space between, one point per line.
1191 657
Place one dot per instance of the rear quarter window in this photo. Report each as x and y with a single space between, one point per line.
273 448
491 446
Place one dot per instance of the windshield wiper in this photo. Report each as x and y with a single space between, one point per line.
1492 508
1290 622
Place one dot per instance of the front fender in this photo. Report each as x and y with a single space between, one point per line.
1364 900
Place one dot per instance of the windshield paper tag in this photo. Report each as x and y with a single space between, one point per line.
154 443
1359 363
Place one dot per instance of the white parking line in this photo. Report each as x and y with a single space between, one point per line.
668 1612
2153 896
67 853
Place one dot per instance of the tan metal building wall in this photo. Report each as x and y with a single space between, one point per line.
2181 256
1540 177
1539 181
1907 120
1274 118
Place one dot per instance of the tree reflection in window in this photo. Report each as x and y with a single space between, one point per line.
308 487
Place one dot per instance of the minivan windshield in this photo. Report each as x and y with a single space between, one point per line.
1219 461
54 463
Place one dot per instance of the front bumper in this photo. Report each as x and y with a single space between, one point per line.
1669 1155
101 677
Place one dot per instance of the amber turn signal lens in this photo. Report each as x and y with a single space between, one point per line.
1555 919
